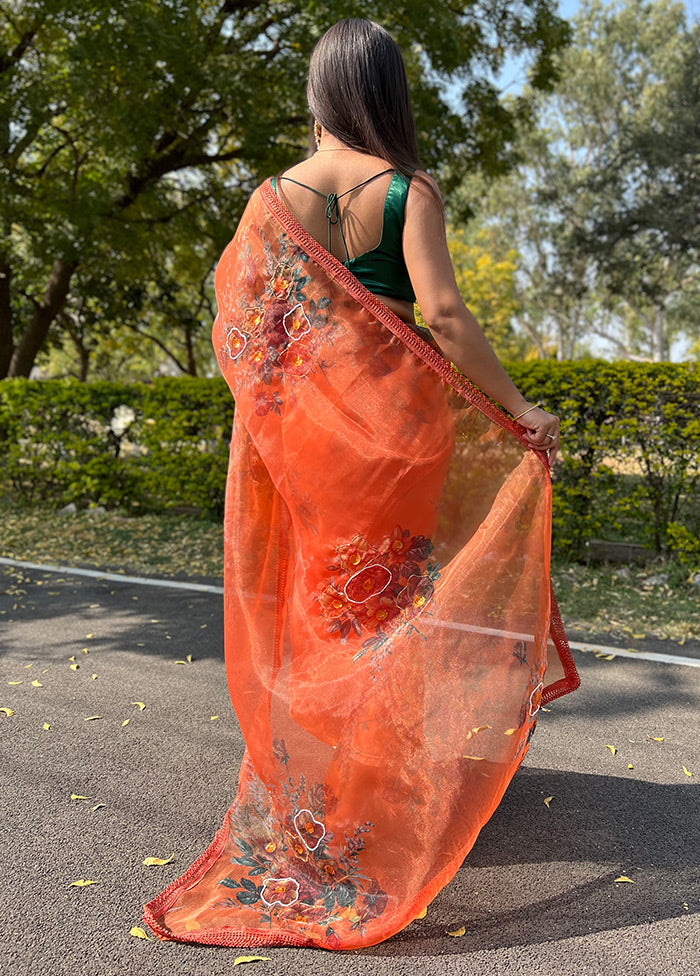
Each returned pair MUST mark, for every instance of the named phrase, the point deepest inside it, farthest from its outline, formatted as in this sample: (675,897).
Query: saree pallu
(390,631)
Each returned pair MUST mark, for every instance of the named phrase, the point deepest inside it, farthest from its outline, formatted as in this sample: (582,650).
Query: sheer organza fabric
(390,633)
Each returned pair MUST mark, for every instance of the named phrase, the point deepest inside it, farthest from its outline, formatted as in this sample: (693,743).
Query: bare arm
(456,330)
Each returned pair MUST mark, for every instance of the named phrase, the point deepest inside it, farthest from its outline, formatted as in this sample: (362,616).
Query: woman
(390,633)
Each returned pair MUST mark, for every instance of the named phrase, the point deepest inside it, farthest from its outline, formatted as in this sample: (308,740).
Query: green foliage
(136,446)
(132,134)
(630,447)
(630,466)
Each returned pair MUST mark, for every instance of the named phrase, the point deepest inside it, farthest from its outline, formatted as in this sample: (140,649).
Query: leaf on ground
(213,718)
(623,877)
(88,636)
(47,727)
(8,711)
(78,796)
(612,749)
(125,722)
(239,960)
(655,738)
(152,861)
(189,659)
(457,932)
(97,807)
(181,662)
(72,658)
(85,650)
(81,883)
(604,657)
(75,667)
(138,933)
(543,709)
(687,771)
(548,800)
(140,704)
(29,665)
(423,912)
(91,718)
(36,684)
(94,677)
(630,766)
(15,682)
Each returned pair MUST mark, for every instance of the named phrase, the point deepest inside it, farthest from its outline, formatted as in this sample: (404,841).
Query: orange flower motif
(355,553)
(280,891)
(271,847)
(254,318)
(296,323)
(380,613)
(282,283)
(296,361)
(236,341)
(369,582)
(333,602)
(309,829)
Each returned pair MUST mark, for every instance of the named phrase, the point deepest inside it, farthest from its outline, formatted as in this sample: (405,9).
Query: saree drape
(390,631)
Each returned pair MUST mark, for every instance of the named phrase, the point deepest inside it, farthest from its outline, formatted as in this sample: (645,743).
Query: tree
(129,130)
(604,217)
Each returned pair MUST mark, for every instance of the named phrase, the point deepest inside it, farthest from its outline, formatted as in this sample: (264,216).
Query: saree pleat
(390,632)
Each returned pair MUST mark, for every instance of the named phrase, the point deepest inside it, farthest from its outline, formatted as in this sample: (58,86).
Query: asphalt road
(537,895)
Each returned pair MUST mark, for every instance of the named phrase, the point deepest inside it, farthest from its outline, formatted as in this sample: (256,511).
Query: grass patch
(613,600)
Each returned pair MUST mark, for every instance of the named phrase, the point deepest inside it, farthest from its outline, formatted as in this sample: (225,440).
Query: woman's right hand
(541,430)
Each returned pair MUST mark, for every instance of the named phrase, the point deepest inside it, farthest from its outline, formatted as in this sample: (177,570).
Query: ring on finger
(551,436)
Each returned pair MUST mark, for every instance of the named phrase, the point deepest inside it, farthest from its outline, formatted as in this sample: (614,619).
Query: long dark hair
(358,91)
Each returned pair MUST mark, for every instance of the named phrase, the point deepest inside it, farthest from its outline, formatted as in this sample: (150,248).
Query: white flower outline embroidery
(539,688)
(235,331)
(315,821)
(297,333)
(365,569)
(276,901)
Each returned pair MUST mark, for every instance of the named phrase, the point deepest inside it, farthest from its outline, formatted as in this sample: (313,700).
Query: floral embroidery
(372,586)
(291,869)
(309,829)
(279,891)
(275,342)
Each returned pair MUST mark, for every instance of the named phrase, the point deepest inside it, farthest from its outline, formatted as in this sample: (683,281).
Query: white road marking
(116,577)
(688,662)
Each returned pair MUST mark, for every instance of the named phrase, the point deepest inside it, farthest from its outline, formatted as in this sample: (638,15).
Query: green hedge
(630,466)
(62,442)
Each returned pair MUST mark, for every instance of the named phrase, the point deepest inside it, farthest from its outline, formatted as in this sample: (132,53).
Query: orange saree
(390,628)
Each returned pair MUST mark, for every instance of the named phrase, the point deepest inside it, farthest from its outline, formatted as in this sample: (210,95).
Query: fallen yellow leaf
(213,718)
(604,657)
(630,766)
(36,684)
(94,676)
(88,636)
(8,711)
(423,912)
(543,709)
(85,650)
(138,932)
(125,722)
(75,667)
(140,704)
(77,796)
(15,682)
(655,738)
(624,877)
(239,960)
(457,932)
(91,718)
(81,883)
(612,749)
(97,807)
(29,665)
(152,861)
(548,800)
(189,659)
(72,658)
(47,726)
(181,662)
(687,771)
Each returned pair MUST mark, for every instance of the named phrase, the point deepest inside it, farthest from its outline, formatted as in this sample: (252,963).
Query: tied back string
(333,206)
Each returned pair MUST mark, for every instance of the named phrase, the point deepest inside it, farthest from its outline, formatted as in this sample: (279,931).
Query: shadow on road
(542,876)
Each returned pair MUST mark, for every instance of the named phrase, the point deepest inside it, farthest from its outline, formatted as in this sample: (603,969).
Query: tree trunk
(659,345)
(52,302)
(6,343)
